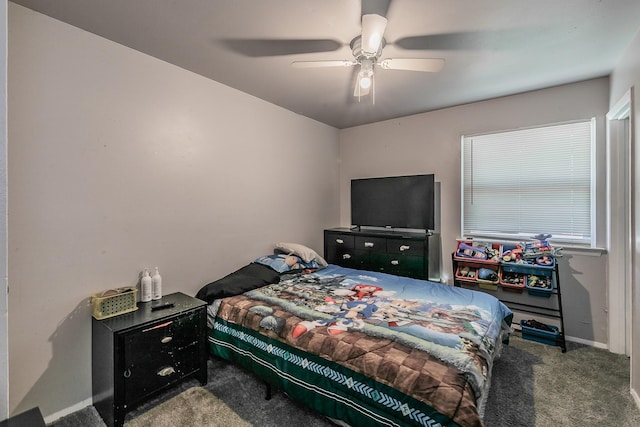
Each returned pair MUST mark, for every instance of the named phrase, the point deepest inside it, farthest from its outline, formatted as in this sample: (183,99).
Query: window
(523,182)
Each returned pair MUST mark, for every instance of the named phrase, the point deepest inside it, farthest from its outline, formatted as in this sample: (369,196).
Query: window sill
(567,248)
(577,250)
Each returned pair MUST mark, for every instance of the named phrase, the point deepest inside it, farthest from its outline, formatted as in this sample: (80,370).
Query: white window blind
(519,183)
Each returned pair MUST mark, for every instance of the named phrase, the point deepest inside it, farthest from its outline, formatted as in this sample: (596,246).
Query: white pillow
(307,254)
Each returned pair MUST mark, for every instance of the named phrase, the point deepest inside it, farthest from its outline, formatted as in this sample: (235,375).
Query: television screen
(393,202)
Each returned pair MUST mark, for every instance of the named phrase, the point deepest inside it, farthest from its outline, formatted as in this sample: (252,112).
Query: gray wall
(430,143)
(4,362)
(119,161)
(625,76)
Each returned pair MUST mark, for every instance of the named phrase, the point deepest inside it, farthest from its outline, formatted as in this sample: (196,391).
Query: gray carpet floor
(533,385)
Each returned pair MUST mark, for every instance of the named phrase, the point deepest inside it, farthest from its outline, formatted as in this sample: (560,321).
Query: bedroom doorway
(619,224)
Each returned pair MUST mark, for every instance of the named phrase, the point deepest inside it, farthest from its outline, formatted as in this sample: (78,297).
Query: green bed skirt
(322,385)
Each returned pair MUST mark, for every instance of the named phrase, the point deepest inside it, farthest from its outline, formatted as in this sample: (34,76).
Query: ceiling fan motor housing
(359,54)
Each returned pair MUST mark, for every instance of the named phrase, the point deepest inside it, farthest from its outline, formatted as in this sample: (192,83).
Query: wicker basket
(114,302)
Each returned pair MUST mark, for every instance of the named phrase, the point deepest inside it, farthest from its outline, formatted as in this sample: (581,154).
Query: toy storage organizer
(525,288)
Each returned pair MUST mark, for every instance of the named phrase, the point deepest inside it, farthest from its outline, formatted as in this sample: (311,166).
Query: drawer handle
(165,372)
(346,256)
(127,373)
(166,340)
(404,248)
(368,244)
(395,262)
(161,325)
(339,241)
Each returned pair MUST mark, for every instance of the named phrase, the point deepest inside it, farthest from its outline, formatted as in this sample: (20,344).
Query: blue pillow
(283,263)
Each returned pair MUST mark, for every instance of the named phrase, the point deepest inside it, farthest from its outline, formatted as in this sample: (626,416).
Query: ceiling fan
(367,50)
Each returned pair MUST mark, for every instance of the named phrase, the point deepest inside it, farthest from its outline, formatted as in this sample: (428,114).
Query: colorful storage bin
(512,282)
(477,252)
(468,274)
(488,278)
(511,258)
(549,337)
(540,285)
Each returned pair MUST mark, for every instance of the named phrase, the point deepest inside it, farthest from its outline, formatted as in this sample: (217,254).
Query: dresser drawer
(339,249)
(371,244)
(405,247)
(339,240)
(406,265)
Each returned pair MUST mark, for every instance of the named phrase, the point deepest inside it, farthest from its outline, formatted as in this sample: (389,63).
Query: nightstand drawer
(158,371)
(165,335)
(159,354)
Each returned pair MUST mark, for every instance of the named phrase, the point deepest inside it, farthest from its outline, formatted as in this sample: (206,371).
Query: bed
(363,348)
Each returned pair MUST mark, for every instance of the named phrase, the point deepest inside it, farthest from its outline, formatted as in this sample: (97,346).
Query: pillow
(283,263)
(307,254)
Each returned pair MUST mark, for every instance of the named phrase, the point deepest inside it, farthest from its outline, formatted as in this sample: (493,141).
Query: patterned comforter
(368,347)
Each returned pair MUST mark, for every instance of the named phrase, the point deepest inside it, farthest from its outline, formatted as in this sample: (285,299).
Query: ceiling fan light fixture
(373,27)
(365,82)
(365,75)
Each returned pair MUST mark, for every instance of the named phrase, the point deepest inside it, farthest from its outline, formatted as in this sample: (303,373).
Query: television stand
(402,253)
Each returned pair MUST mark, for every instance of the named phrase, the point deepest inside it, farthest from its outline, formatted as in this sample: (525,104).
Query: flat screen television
(394,202)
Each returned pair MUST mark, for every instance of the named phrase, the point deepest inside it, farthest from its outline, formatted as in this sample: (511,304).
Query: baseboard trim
(68,411)
(587,342)
(636,398)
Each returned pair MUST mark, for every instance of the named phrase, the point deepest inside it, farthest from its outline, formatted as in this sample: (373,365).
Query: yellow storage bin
(114,302)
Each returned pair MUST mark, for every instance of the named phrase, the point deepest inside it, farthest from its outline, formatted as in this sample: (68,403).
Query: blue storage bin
(524,266)
(540,335)
(539,291)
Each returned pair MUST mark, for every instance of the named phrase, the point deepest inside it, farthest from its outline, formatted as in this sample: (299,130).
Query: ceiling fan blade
(373,27)
(256,48)
(378,7)
(429,65)
(322,64)
(467,40)
(449,41)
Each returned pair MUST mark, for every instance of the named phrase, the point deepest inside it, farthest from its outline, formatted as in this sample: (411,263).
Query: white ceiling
(492,48)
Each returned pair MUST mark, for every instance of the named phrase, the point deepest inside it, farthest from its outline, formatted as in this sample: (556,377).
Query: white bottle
(156,285)
(145,286)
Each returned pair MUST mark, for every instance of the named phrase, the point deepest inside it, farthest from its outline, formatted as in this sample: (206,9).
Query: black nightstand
(139,354)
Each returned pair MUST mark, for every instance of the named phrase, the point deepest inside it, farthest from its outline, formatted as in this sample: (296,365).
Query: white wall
(119,161)
(625,76)
(430,143)
(4,361)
